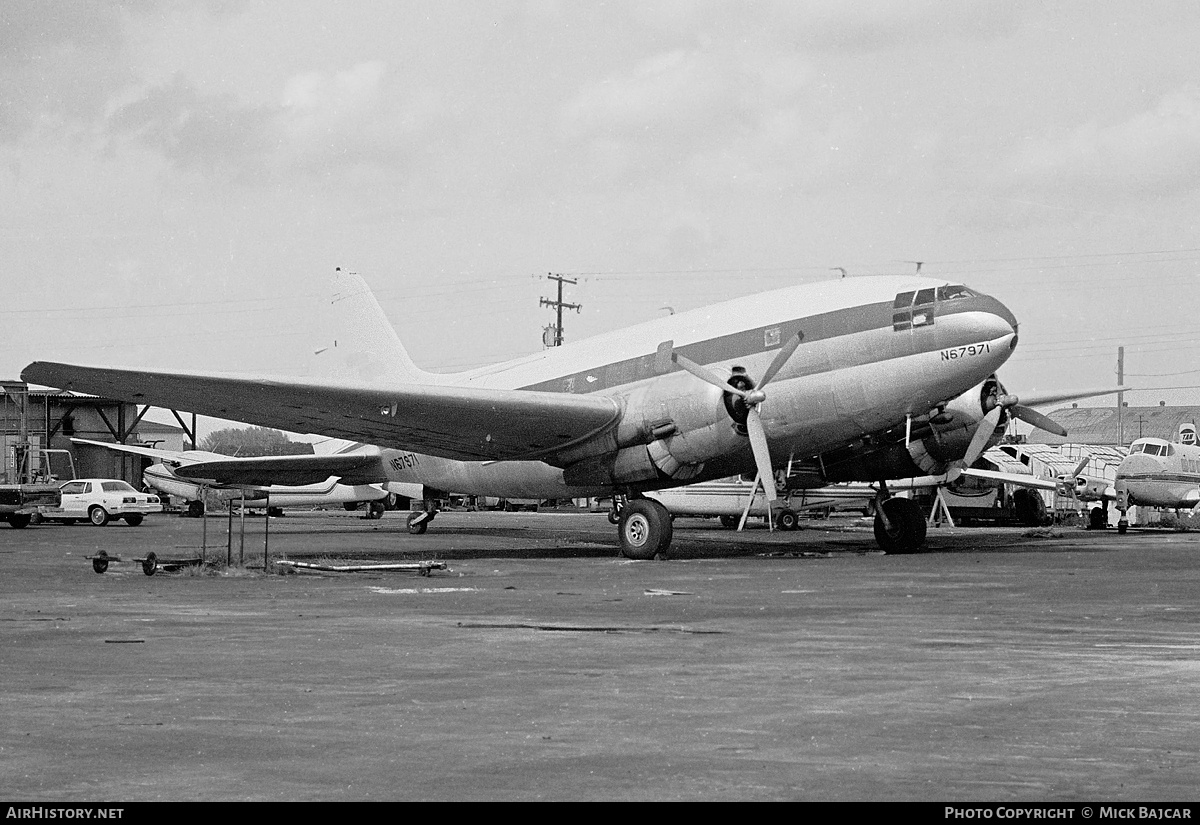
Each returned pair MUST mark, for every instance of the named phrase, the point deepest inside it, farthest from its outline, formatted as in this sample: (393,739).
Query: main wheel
(195,509)
(645,529)
(375,510)
(134,519)
(418,527)
(906,530)
(1097,519)
(98,516)
(19,520)
(1029,508)
(729,522)
(788,520)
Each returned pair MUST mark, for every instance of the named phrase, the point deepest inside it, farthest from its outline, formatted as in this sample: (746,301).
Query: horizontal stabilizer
(288,470)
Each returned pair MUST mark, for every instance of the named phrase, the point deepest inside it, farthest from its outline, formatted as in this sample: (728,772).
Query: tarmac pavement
(1003,665)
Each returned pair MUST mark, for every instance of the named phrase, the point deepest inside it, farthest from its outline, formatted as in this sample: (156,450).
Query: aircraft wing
(149,452)
(462,423)
(1020,479)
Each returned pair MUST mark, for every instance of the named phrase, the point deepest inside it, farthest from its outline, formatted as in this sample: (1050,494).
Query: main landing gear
(899,525)
(644,529)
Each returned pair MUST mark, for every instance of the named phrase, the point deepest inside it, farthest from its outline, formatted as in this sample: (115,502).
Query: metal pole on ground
(267,531)
(229,537)
(203,525)
(242,531)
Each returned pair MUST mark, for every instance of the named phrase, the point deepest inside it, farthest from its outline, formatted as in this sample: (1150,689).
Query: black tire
(614,516)
(730,522)
(1097,519)
(1029,508)
(68,521)
(134,519)
(645,530)
(907,533)
(350,506)
(195,509)
(788,520)
(375,510)
(98,516)
(420,527)
(100,562)
(150,564)
(19,520)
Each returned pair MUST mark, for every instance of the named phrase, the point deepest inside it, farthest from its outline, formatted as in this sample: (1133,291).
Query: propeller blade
(1032,416)
(982,433)
(705,374)
(1079,467)
(1038,400)
(781,357)
(762,453)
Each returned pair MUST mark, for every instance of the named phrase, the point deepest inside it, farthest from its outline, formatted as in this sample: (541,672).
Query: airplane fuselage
(874,350)
(1159,473)
(331,491)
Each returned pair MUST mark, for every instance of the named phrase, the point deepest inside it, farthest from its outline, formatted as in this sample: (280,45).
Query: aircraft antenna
(558,305)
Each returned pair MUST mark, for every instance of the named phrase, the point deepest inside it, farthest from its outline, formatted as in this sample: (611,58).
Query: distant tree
(252,441)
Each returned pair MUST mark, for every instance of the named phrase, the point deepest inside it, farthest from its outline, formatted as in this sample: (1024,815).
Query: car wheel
(98,516)
(134,520)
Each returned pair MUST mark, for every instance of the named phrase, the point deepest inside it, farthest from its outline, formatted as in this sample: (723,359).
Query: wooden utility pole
(558,306)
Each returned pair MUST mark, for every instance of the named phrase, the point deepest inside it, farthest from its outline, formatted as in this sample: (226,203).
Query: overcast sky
(180,178)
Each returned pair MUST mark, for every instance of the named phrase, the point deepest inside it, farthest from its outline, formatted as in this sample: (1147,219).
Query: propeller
(1026,413)
(753,399)
(1066,483)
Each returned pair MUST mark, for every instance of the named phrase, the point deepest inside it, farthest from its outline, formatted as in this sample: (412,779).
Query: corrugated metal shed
(1099,425)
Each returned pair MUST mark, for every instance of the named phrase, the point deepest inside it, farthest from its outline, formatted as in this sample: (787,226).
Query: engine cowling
(938,441)
(670,427)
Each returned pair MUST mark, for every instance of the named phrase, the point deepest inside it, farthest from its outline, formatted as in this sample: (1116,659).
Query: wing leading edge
(462,423)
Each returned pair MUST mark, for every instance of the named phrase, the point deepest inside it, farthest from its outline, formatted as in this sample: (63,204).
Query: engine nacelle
(669,428)
(1090,488)
(941,440)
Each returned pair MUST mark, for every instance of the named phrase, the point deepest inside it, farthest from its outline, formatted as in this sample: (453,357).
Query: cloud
(195,130)
(1154,152)
(57,64)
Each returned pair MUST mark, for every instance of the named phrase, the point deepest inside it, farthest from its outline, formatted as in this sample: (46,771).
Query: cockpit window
(949,293)
(925,296)
(903,300)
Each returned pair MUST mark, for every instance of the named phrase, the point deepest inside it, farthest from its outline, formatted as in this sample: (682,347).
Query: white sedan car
(100,499)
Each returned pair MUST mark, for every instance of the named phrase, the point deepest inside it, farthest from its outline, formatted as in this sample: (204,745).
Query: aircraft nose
(1138,464)
(1003,314)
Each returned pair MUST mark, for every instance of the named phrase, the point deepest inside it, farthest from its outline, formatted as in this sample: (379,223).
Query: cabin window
(913,309)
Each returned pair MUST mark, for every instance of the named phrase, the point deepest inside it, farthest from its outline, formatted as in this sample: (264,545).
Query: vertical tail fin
(363,345)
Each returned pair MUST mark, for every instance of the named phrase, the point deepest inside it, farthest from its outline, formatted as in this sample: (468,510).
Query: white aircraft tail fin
(362,343)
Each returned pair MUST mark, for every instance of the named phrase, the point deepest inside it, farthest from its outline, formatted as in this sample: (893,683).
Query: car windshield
(117,487)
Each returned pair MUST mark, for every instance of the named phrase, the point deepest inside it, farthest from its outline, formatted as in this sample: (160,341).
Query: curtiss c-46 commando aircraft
(861,379)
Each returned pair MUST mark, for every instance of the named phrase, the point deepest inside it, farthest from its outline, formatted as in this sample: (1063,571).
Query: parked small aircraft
(1159,473)
(170,476)
(855,379)
(1075,484)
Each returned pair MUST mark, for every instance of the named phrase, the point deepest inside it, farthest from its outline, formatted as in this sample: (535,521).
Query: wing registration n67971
(462,423)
